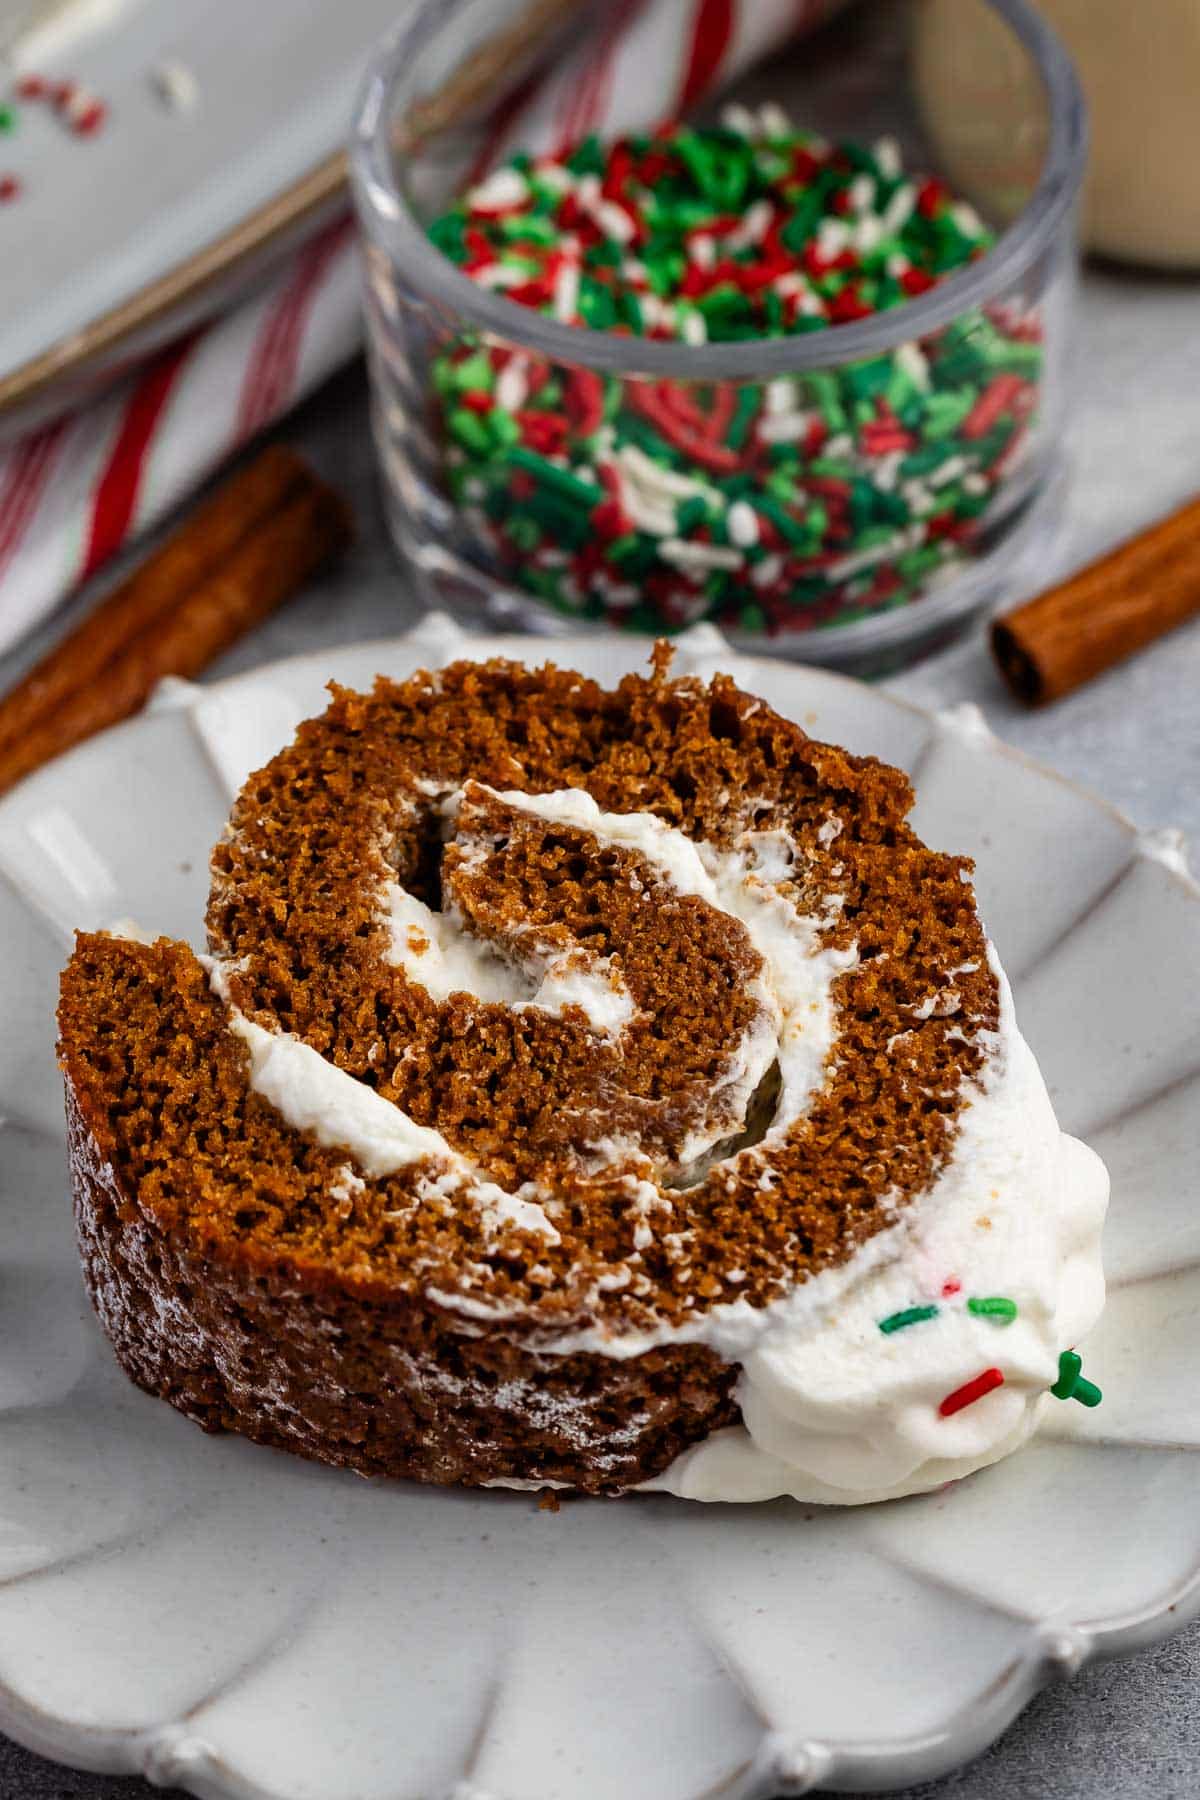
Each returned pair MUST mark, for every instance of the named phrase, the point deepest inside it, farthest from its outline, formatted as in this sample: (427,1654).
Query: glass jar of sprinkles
(760,365)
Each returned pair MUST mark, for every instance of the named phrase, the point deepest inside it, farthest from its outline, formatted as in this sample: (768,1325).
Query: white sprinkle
(898,209)
(702,251)
(767,572)
(780,396)
(897,265)
(861,193)
(498,275)
(692,327)
(833,236)
(887,155)
(656,521)
(656,311)
(512,386)
(554,176)
(691,557)
(865,559)
(785,428)
(474,489)
(841,445)
(975,483)
(868,234)
(503,188)
(742,524)
(885,472)
(753,228)
(176,86)
(773,121)
(735,117)
(656,478)
(791,284)
(588,190)
(611,217)
(632,269)
(950,470)
(915,364)
(566,293)
(920,501)
(967,219)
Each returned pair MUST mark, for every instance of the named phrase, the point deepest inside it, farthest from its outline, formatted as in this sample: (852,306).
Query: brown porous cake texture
(262,1282)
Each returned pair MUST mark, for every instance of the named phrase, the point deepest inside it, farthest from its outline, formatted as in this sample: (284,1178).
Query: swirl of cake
(601,1088)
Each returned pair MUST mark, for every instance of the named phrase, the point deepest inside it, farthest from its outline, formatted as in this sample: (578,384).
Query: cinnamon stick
(1103,613)
(186,559)
(230,565)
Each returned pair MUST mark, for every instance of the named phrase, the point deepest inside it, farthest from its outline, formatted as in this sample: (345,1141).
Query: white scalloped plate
(249,1626)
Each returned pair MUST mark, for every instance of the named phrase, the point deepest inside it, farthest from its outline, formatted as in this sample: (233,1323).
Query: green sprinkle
(470,430)
(994,1306)
(1071,1384)
(474,372)
(912,1315)
(560,481)
(791,530)
(745,412)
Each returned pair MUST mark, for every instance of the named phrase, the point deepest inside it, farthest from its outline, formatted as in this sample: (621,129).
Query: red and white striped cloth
(73,492)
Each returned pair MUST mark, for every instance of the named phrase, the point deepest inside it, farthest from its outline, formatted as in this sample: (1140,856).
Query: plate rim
(167,1755)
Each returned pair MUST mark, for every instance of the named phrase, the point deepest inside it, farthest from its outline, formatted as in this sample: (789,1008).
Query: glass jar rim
(387,219)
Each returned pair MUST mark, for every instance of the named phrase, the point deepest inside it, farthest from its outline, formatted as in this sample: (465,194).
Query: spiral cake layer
(574,1076)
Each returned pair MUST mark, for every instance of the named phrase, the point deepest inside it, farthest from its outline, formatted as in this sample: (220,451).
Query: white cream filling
(313,1095)
(438,952)
(795,989)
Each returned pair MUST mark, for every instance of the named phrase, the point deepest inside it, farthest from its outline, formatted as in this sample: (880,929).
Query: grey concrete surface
(1128,1730)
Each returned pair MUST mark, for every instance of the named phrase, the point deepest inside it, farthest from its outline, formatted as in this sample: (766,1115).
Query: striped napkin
(73,492)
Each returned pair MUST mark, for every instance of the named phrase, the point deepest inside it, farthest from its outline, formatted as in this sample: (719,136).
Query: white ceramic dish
(171,206)
(244,1625)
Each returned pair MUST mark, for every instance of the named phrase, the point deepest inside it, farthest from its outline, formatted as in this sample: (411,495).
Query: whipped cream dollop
(835,1408)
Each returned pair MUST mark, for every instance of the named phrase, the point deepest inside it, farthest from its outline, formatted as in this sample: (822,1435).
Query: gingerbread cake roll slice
(261,1280)
(622,1049)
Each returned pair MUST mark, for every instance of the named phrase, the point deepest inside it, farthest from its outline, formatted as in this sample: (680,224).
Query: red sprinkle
(542,431)
(703,450)
(998,397)
(815,436)
(32,87)
(930,196)
(849,305)
(970,1392)
(477,400)
(951,1287)
(609,521)
(10,188)
(89,119)
(916,281)
(585,401)
(881,439)
(530,293)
